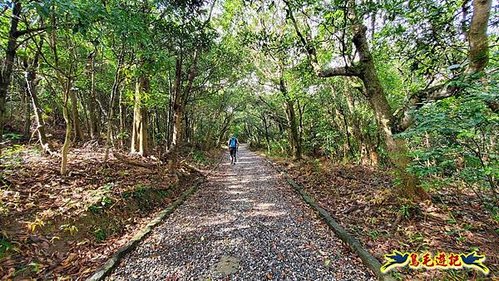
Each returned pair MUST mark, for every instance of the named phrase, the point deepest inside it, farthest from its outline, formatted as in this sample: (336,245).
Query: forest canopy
(408,87)
(411,84)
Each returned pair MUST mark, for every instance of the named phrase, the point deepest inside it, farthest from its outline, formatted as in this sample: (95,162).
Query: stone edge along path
(112,262)
(369,260)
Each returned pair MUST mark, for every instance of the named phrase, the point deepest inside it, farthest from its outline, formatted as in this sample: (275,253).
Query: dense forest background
(369,82)
(406,86)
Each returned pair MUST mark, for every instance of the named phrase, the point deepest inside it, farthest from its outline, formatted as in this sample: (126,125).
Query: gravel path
(244,223)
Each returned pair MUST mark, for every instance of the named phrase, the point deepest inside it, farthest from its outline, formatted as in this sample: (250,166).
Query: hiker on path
(233,144)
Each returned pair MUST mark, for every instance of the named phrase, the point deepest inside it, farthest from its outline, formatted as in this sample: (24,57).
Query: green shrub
(455,140)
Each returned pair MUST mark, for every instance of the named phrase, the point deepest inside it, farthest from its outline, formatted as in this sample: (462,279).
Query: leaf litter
(55,227)
(363,200)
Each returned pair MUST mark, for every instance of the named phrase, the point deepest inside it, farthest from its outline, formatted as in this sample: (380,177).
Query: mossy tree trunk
(478,53)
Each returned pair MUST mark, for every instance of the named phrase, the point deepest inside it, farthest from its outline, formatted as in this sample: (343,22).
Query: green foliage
(13,150)
(493,209)
(4,211)
(35,267)
(404,211)
(143,195)
(456,138)
(409,210)
(101,199)
(5,246)
(100,235)
(244,52)
(12,136)
(104,202)
(123,135)
(416,238)
(71,229)
(139,192)
(12,158)
(199,157)
(423,35)
(374,234)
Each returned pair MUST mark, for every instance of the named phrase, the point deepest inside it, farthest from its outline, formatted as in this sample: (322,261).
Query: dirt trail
(244,223)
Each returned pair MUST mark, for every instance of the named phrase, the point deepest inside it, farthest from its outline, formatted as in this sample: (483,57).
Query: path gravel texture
(245,223)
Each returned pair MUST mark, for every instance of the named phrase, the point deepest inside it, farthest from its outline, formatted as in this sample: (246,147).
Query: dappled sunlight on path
(246,224)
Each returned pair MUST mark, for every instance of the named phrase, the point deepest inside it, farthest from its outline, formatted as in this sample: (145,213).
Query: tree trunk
(8,63)
(301,109)
(355,131)
(84,106)
(93,123)
(187,126)
(294,135)
(65,79)
(26,110)
(31,86)
(186,95)
(347,144)
(40,123)
(139,132)
(224,129)
(266,127)
(177,105)
(343,122)
(181,98)
(478,53)
(75,116)
(397,149)
(67,138)
(169,127)
(112,101)
(122,117)
(366,71)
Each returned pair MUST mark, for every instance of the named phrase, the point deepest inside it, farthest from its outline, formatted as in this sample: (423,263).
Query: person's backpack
(232,142)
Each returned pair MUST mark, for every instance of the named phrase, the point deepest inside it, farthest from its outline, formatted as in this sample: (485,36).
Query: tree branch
(339,71)
(312,53)
(403,117)
(20,33)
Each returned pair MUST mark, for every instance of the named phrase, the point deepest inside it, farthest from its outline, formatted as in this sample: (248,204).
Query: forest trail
(244,223)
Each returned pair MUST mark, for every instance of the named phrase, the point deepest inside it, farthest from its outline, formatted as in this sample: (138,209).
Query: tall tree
(140,133)
(8,62)
(478,53)
(32,82)
(365,70)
